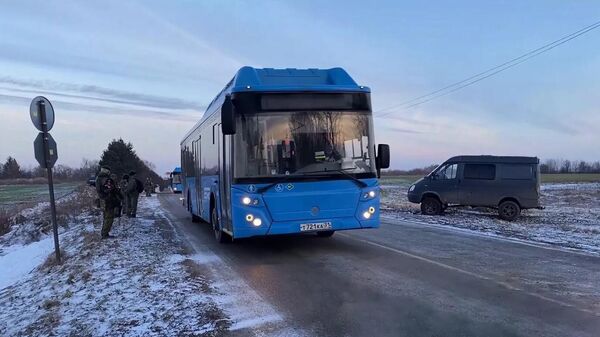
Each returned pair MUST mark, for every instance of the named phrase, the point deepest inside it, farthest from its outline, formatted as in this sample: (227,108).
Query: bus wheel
(509,210)
(325,234)
(431,206)
(221,236)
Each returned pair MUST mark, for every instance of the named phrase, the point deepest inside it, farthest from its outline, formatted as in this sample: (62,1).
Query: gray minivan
(509,184)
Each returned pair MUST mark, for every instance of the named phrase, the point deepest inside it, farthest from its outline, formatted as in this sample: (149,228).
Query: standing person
(148,187)
(123,188)
(134,188)
(110,199)
(119,206)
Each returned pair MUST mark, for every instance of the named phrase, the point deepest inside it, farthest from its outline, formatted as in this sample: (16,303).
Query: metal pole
(42,111)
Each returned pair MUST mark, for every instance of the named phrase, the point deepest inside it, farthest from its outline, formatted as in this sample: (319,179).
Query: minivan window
(447,172)
(480,171)
(517,172)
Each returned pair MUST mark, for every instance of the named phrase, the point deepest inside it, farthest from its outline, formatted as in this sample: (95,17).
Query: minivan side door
(478,185)
(445,183)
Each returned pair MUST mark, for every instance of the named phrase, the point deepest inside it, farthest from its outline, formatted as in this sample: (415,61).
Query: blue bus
(282,151)
(175,177)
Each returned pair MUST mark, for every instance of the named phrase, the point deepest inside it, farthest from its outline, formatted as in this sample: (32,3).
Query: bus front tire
(325,234)
(221,236)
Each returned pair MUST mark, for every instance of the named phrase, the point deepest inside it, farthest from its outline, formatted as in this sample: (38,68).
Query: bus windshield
(176,178)
(271,144)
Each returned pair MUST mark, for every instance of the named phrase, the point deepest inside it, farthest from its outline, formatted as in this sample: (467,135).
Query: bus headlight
(257,222)
(249,217)
(371,209)
(248,201)
(412,188)
(366,215)
(369,195)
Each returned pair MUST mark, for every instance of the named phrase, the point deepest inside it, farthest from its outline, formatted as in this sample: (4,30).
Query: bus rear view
(294,153)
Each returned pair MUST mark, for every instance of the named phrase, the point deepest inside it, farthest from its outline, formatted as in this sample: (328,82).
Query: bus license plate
(315,226)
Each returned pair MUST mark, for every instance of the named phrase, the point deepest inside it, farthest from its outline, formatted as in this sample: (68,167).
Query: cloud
(403,130)
(107,110)
(94,92)
(555,125)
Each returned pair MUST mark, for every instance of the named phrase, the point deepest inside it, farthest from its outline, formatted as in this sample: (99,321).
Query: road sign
(37,118)
(44,146)
(48,160)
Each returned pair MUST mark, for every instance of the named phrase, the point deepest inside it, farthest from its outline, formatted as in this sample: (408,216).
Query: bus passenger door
(224,178)
(198,174)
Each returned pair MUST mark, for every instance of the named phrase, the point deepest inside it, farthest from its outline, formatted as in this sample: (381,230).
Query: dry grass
(67,209)
(571,178)
(4,222)
(50,260)
(50,303)
(23,181)
(83,202)
(35,181)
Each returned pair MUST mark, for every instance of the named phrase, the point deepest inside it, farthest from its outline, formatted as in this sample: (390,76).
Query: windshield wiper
(357,181)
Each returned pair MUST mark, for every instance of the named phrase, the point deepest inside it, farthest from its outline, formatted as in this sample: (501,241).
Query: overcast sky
(145,71)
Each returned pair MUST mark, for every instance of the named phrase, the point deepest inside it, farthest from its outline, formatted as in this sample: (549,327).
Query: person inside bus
(331,153)
(286,153)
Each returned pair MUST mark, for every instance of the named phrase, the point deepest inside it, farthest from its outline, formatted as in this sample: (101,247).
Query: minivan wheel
(509,210)
(431,206)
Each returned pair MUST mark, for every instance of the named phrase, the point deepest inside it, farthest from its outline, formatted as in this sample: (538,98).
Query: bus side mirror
(228,116)
(382,161)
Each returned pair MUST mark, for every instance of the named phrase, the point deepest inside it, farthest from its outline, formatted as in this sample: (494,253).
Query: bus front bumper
(304,226)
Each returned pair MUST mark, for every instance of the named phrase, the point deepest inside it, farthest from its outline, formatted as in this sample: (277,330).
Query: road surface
(407,279)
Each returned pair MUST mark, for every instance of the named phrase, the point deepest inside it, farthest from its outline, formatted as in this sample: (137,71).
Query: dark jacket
(113,192)
(132,186)
(100,182)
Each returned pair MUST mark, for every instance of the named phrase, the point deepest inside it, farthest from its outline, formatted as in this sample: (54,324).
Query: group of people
(118,198)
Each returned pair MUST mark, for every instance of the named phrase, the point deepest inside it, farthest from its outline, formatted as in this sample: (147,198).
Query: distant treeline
(11,169)
(412,172)
(548,166)
(567,166)
(119,156)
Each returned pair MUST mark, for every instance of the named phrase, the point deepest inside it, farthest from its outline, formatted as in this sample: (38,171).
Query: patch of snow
(142,283)
(134,285)
(570,220)
(18,260)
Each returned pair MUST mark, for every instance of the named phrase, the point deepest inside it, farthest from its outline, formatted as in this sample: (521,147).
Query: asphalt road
(407,279)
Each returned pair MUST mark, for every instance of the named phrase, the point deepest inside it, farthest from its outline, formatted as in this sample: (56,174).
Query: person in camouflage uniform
(110,197)
(123,188)
(133,190)
(148,187)
(119,207)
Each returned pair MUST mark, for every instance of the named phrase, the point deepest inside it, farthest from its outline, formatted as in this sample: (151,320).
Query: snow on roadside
(571,218)
(19,260)
(145,282)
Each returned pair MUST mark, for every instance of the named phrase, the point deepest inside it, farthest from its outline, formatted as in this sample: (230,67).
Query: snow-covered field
(144,282)
(571,218)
